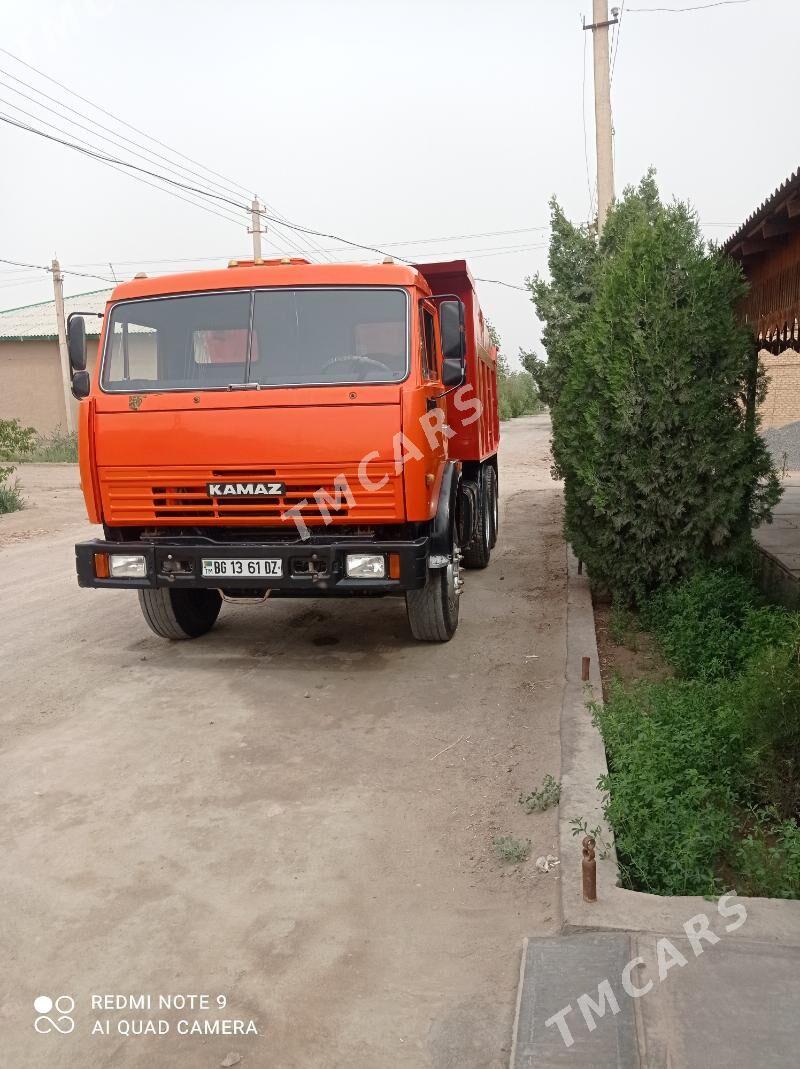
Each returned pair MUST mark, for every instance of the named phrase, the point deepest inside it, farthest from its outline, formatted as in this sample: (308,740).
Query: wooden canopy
(768,247)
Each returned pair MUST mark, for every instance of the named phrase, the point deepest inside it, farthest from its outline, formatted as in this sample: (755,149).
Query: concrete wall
(782,404)
(30,383)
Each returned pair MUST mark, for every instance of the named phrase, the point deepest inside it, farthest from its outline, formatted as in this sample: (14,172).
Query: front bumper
(177,563)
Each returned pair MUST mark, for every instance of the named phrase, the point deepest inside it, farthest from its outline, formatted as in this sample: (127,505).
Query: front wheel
(433,610)
(180,614)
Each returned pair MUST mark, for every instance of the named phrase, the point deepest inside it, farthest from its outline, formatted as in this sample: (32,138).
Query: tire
(493,497)
(479,550)
(180,614)
(433,610)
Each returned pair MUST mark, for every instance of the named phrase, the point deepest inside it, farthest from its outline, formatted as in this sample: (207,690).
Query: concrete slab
(734,1006)
(554,974)
(656,1001)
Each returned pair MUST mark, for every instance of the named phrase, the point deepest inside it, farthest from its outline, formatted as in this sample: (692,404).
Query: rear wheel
(477,553)
(433,610)
(180,614)
(493,498)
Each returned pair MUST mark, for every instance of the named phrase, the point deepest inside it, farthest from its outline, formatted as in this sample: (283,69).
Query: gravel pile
(784,444)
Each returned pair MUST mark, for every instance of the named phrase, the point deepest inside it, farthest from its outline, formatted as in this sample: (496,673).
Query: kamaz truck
(281,429)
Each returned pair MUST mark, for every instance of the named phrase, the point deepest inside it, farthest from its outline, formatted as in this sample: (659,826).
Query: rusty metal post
(585,670)
(589,870)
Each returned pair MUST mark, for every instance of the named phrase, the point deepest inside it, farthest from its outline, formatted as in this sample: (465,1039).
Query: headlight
(127,566)
(365,566)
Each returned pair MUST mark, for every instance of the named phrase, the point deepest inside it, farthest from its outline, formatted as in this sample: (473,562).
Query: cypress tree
(650,375)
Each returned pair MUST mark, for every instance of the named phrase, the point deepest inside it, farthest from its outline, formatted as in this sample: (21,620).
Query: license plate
(249,568)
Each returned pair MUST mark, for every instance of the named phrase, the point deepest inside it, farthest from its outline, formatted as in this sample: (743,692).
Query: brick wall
(782,404)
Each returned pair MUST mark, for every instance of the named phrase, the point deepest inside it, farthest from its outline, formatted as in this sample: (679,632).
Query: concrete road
(293,814)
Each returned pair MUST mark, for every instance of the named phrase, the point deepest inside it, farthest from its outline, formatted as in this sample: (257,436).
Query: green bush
(770,859)
(10,498)
(517,395)
(669,795)
(15,441)
(711,624)
(704,771)
(646,377)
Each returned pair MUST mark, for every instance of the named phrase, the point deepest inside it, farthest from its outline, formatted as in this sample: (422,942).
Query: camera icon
(62,1006)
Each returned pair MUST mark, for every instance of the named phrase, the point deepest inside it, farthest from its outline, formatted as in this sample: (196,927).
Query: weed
(511,850)
(711,624)
(15,440)
(56,448)
(769,858)
(546,797)
(622,626)
(704,771)
(10,498)
(580,826)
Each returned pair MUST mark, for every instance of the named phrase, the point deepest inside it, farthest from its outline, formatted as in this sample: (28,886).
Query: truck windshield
(270,337)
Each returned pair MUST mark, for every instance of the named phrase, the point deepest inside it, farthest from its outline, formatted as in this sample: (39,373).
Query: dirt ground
(626,652)
(294,812)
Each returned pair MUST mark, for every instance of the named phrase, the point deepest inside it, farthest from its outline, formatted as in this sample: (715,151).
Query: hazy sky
(382,122)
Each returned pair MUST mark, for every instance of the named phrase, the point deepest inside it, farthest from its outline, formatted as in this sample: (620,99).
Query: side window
(132,355)
(428,345)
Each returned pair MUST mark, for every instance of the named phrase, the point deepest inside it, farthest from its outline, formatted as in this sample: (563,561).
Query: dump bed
(475,439)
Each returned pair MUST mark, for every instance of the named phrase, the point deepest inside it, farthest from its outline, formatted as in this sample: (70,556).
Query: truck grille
(137,496)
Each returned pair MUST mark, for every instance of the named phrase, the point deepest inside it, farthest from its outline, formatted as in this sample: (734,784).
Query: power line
(105,158)
(497,282)
(43,267)
(33,280)
(464,237)
(116,118)
(341,248)
(474,254)
(384,244)
(110,140)
(115,140)
(585,143)
(109,161)
(307,244)
(680,10)
(86,147)
(617,32)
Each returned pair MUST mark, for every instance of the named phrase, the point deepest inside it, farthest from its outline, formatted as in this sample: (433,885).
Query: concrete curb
(583,761)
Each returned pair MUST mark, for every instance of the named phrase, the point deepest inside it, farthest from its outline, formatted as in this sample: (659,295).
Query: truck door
(430,359)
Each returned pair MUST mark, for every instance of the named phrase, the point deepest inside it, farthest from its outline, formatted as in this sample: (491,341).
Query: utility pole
(602,108)
(255,227)
(66,375)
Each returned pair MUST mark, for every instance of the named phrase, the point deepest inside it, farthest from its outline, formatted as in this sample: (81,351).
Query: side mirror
(76,342)
(454,342)
(81,384)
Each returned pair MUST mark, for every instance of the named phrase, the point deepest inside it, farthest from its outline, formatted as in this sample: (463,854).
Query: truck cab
(287,429)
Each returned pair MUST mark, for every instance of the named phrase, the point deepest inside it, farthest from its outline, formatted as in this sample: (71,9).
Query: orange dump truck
(288,429)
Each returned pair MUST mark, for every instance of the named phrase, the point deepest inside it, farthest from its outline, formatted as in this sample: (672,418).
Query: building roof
(39,320)
(775,217)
